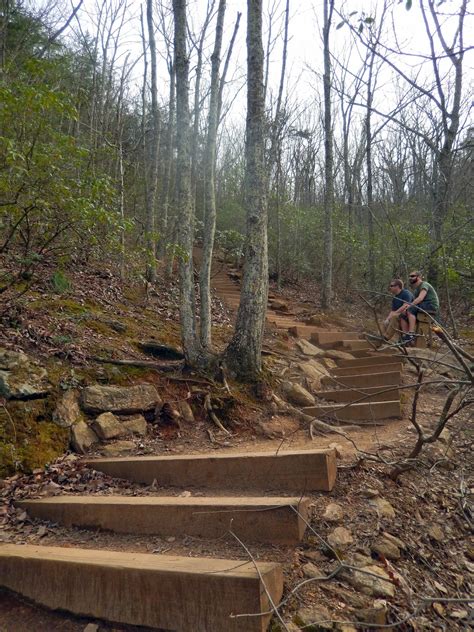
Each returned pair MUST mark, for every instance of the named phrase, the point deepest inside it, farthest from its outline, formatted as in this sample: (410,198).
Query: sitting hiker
(426,302)
(397,320)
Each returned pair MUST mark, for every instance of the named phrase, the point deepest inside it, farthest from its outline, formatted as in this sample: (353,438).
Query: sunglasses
(393,285)
(413,276)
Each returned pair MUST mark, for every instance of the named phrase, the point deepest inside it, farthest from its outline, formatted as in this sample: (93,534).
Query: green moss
(28,439)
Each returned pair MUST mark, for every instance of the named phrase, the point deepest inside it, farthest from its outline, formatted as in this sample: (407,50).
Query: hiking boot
(408,339)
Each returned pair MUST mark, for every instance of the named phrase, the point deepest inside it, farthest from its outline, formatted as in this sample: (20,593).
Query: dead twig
(212,414)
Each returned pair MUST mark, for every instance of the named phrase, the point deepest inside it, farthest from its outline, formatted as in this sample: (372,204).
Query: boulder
(313,375)
(118,448)
(21,377)
(375,615)
(107,426)
(316,321)
(185,411)
(334,354)
(82,437)
(120,399)
(319,366)
(307,348)
(67,411)
(296,394)
(370,580)
(329,363)
(135,425)
(279,306)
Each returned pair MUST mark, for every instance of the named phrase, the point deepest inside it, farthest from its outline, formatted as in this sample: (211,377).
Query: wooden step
(302,331)
(372,394)
(357,412)
(356,345)
(328,338)
(290,471)
(275,520)
(365,370)
(392,378)
(158,591)
(372,353)
(368,361)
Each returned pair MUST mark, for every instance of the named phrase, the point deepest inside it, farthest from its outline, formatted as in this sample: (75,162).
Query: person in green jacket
(425,301)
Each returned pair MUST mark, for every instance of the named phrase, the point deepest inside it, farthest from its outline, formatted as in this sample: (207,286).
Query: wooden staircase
(165,591)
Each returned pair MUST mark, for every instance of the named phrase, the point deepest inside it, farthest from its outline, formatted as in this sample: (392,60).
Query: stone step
(270,519)
(357,412)
(159,591)
(368,361)
(392,378)
(365,370)
(373,394)
(328,338)
(289,471)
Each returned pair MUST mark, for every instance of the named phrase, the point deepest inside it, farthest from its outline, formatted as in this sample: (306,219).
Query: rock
(107,426)
(21,377)
(158,350)
(312,374)
(334,354)
(436,533)
(375,615)
(383,507)
(319,366)
(360,560)
(296,394)
(345,627)
(369,492)
(400,543)
(316,321)
(279,306)
(333,513)
(340,538)
(313,619)
(118,448)
(135,425)
(386,548)
(311,571)
(67,411)
(307,348)
(91,627)
(377,584)
(329,363)
(279,427)
(185,411)
(120,399)
(116,325)
(82,437)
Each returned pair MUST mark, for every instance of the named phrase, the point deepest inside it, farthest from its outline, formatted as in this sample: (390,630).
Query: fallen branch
(146,364)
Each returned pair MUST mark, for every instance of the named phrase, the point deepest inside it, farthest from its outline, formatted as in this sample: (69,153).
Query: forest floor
(427,509)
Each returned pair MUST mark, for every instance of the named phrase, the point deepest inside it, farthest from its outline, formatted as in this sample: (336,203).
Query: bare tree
(244,352)
(326,289)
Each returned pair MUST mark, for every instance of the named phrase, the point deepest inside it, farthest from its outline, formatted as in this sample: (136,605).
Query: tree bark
(210,184)
(244,352)
(183,187)
(326,290)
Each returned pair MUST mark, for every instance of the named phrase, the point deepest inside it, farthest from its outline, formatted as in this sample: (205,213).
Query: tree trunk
(244,352)
(183,187)
(210,184)
(326,290)
(155,134)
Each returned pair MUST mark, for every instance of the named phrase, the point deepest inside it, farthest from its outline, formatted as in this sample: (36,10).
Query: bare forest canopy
(121,134)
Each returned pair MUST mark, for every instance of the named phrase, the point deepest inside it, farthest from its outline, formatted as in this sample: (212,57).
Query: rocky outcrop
(120,399)
(21,377)
(67,412)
